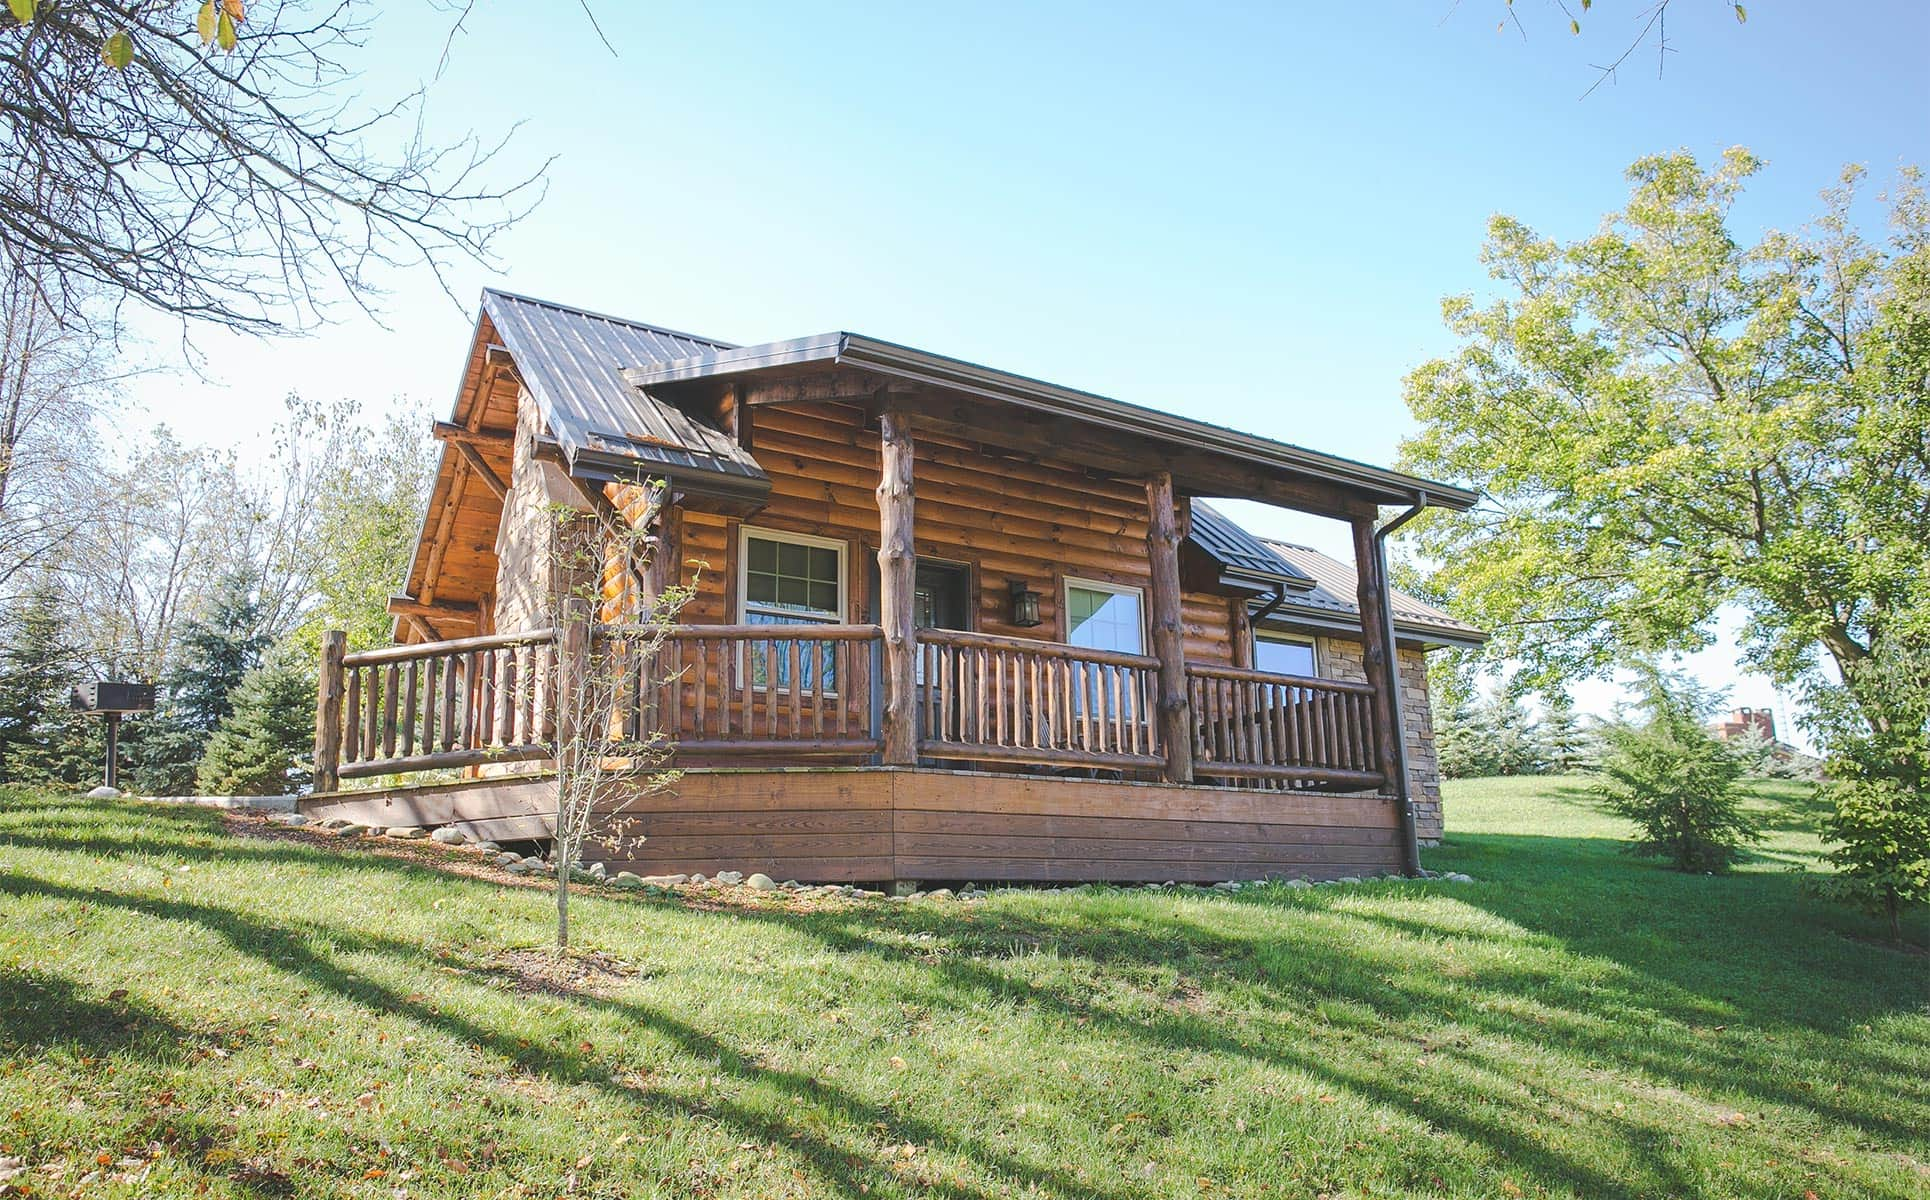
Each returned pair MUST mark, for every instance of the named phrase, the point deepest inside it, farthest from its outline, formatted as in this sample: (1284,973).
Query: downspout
(1403,787)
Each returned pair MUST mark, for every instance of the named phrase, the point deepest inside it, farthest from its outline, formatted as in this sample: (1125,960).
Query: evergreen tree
(219,648)
(36,673)
(1563,739)
(1671,777)
(259,748)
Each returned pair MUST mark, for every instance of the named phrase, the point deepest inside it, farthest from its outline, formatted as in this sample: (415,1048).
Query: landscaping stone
(1298,883)
(628,879)
(790,885)
(665,881)
(449,835)
(484,847)
(103,792)
(1348,879)
(699,879)
(349,829)
(760,882)
(288,819)
(1457,877)
(337,823)
(940,894)
(730,878)
(407,833)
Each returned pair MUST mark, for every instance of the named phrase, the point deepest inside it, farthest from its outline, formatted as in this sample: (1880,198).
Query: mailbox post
(111,699)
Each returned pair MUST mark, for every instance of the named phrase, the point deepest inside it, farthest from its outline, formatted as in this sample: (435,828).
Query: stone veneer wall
(525,542)
(1341,659)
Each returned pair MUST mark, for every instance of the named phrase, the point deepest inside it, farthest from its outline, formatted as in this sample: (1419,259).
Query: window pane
(792,559)
(763,554)
(793,592)
(824,564)
(1102,620)
(760,589)
(824,597)
(1283,658)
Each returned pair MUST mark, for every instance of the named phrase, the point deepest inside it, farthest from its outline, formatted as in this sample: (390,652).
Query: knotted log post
(897,571)
(328,712)
(1169,635)
(1383,672)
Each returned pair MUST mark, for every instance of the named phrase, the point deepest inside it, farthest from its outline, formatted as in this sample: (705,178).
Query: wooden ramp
(858,824)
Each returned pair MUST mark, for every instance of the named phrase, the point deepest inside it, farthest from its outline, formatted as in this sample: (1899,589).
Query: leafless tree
(237,179)
(608,752)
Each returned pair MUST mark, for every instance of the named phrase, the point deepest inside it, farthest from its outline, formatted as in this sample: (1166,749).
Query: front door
(941,598)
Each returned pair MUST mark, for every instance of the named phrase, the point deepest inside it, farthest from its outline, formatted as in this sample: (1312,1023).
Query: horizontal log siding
(1005,518)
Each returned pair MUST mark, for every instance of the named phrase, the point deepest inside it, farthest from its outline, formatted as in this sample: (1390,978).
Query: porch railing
(989,698)
(761,689)
(812,690)
(440,704)
(1256,725)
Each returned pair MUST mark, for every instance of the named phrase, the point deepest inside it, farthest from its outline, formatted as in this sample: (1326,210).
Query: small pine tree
(1672,778)
(259,748)
(36,672)
(1563,740)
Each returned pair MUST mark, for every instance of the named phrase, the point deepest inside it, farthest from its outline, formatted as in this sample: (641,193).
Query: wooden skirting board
(866,824)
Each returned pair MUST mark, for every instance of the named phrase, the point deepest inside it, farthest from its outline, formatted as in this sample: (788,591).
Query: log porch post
(1169,639)
(1383,672)
(328,712)
(897,571)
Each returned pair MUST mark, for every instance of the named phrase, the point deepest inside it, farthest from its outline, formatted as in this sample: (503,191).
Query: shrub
(1671,777)
(259,746)
(1879,772)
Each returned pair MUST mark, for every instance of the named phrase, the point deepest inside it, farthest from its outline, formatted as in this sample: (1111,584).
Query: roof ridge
(506,294)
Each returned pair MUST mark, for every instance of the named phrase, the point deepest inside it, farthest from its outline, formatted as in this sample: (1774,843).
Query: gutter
(1403,786)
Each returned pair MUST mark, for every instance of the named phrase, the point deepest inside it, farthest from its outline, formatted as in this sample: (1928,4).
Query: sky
(1247,214)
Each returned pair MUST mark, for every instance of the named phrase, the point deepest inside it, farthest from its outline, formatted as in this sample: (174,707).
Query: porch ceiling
(1030,415)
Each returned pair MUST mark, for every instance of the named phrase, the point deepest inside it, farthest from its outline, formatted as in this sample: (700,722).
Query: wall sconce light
(1025,605)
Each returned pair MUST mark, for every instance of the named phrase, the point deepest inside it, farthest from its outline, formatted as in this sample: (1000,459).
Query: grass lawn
(187,1007)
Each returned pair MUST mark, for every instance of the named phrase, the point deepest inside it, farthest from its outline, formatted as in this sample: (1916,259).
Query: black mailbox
(112,696)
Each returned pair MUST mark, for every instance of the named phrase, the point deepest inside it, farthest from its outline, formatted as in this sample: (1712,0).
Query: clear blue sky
(1246,213)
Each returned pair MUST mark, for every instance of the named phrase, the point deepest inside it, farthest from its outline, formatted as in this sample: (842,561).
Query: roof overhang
(1288,616)
(920,368)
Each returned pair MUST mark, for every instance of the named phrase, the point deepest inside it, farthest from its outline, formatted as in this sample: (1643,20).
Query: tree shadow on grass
(289,949)
(40,1013)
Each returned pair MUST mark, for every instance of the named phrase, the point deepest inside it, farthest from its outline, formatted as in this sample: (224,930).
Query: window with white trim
(1277,654)
(790,579)
(1105,616)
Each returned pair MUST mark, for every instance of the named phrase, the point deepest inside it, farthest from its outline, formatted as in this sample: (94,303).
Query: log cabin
(948,622)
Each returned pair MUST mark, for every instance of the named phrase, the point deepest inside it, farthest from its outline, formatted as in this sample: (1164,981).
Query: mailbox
(113,696)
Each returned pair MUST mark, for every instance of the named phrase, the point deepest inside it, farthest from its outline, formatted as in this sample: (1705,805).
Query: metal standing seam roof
(1335,582)
(572,362)
(1239,551)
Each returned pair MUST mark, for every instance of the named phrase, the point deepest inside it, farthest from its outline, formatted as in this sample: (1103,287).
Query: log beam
(897,571)
(459,611)
(1383,671)
(448,431)
(1169,634)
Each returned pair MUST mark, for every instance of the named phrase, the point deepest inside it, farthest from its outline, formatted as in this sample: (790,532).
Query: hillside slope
(190,1004)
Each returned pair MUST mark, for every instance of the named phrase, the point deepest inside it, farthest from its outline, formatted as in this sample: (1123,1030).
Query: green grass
(209,1013)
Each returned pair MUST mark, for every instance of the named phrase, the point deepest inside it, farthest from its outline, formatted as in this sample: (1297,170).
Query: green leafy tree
(1664,421)
(1669,775)
(259,748)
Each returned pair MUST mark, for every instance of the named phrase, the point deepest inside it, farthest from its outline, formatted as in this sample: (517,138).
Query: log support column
(897,571)
(328,712)
(1383,672)
(1169,635)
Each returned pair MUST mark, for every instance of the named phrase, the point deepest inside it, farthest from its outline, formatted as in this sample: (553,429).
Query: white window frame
(744,535)
(1311,642)
(1068,582)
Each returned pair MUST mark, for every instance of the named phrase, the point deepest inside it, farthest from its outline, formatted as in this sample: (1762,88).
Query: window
(1283,655)
(790,579)
(1104,616)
